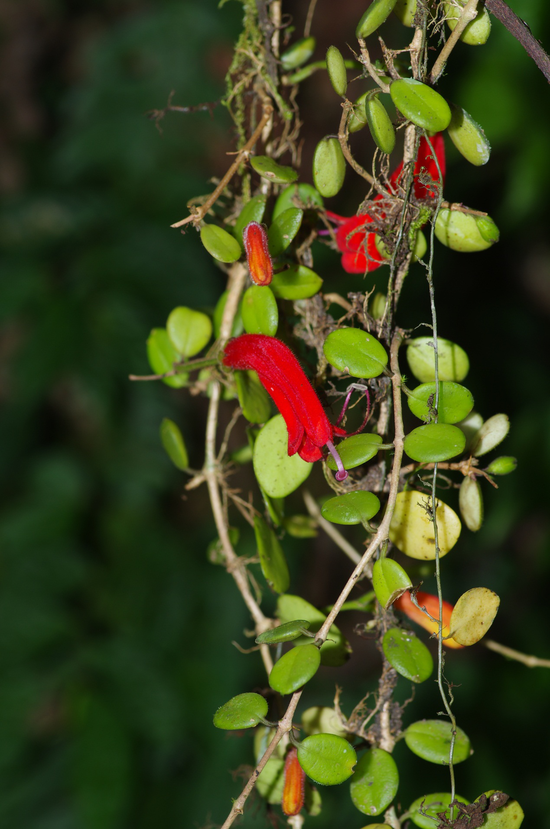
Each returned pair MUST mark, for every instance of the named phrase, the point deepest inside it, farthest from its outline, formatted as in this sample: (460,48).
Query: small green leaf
(237,327)
(470,502)
(389,580)
(296,282)
(275,508)
(253,398)
(468,137)
(326,758)
(172,440)
(283,230)
(320,719)
(488,229)
(335,651)
(298,53)
(270,783)
(407,654)
(300,526)
(278,473)
(283,633)
(421,104)
(253,211)
(434,442)
(405,10)
(493,432)
(162,355)
(329,167)
(259,311)
(375,15)
(375,782)
(502,466)
(294,669)
(272,558)
(356,450)
(358,117)
(477,32)
(425,810)
(431,740)
(355,352)
(455,402)
(337,70)
(242,711)
(508,816)
(297,195)
(464,232)
(380,125)
(473,615)
(351,508)
(220,244)
(267,168)
(189,331)
(453,363)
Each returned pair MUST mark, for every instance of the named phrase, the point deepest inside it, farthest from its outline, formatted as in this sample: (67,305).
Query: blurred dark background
(115,629)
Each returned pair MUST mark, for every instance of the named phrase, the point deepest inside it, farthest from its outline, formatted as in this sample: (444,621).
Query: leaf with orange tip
(431,603)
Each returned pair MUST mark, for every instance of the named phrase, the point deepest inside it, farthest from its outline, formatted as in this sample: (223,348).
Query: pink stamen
(352,388)
(341,475)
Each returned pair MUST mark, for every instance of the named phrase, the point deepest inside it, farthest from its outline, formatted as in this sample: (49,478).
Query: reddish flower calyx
(282,376)
(431,603)
(354,237)
(257,254)
(293,786)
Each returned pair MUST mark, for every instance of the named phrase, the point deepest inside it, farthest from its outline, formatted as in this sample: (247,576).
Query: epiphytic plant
(352,348)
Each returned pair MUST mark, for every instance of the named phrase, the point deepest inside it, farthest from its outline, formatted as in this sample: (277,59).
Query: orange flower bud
(405,604)
(257,254)
(293,790)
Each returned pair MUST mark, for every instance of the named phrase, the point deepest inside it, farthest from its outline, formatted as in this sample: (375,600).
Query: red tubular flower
(355,241)
(405,604)
(293,787)
(257,254)
(282,376)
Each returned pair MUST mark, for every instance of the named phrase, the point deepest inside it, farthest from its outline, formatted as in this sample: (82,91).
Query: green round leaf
(412,529)
(301,526)
(237,327)
(375,15)
(473,615)
(220,244)
(508,816)
(259,311)
(336,69)
(335,651)
(453,363)
(460,231)
(162,355)
(189,331)
(283,230)
(434,442)
(294,669)
(493,432)
(326,758)
(502,466)
(320,719)
(356,450)
(358,117)
(355,352)
(424,811)
(329,167)
(380,124)
(470,502)
(267,168)
(351,508)
(253,211)
(272,558)
(297,195)
(298,53)
(468,137)
(296,282)
(172,440)
(477,32)
(253,398)
(389,580)
(405,10)
(421,104)
(431,740)
(407,654)
(375,782)
(455,402)
(278,473)
(283,633)
(242,711)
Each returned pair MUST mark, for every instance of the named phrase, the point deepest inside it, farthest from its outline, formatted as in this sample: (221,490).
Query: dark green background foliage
(115,630)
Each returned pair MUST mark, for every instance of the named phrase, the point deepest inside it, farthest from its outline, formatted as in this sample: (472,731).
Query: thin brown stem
(366,61)
(468,14)
(510,653)
(522,33)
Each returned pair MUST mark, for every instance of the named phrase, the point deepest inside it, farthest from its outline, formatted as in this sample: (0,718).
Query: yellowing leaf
(473,615)
(412,529)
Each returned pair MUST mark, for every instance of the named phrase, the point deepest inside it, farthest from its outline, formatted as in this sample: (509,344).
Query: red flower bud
(257,254)
(293,787)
